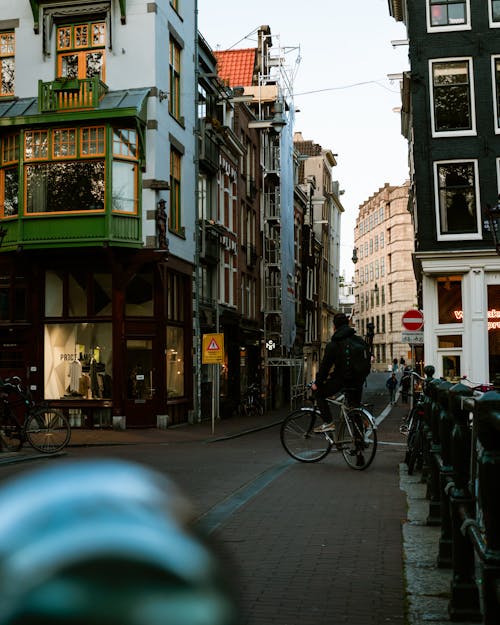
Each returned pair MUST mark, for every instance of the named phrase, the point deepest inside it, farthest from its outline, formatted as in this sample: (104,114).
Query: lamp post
(493,214)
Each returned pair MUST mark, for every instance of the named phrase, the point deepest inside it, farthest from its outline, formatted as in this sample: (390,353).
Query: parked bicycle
(413,424)
(47,430)
(251,404)
(355,433)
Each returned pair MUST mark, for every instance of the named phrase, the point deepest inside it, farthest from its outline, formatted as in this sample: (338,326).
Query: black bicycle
(47,430)
(413,425)
(356,437)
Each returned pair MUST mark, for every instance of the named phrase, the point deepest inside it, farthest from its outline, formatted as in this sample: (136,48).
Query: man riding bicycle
(345,365)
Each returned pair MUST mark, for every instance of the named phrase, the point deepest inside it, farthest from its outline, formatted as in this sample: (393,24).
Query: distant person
(402,364)
(395,366)
(392,385)
(345,365)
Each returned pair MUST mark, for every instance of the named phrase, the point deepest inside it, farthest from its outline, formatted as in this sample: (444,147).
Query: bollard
(445,471)
(464,599)
(106,543)
(487,415)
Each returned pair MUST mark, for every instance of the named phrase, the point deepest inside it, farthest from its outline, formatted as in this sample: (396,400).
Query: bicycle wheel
(358,442)
(299,439)
(47,430)
(11,438)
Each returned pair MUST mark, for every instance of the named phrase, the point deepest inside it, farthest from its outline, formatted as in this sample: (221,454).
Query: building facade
(385,286)
(450,116)
(98,249)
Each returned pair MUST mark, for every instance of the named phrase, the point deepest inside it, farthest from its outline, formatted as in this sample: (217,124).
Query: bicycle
(47,430)
(413,425)
(356,437)
(251,404)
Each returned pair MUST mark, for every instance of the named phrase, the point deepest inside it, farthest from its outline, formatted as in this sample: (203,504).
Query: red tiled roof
(236,67)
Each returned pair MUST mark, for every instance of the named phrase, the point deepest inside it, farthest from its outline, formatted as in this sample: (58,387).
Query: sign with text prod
(213,349)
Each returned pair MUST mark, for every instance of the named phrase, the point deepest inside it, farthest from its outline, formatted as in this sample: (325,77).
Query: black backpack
(356,362)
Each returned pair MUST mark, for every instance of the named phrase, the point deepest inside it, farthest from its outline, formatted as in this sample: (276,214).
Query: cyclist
(333,374)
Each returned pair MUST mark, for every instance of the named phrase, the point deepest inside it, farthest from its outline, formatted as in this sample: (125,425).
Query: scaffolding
(274,96)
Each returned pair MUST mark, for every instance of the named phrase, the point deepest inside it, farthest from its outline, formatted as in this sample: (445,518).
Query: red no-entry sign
(413,320)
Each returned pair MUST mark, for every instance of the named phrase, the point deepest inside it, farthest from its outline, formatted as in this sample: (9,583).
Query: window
(452,102)
(449,296)
(495,61)
(64,170)
(175,190)
(494,13)
(10,175)
(457,203)
(13,298)
(447,15)
(81,50)
(174,103)
(124,170)
(7,63)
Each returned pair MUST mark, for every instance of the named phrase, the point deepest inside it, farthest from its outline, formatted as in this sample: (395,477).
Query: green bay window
(64,171)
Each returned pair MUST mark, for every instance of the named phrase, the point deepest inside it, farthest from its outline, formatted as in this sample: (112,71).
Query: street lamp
(354,255)
(493,214)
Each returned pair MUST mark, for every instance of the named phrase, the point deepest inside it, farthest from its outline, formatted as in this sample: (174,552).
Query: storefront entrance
(141,383)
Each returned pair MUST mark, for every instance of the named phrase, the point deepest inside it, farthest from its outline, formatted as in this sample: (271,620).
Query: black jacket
(333,353)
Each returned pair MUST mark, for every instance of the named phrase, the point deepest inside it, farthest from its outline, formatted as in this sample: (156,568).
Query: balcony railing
(64,94)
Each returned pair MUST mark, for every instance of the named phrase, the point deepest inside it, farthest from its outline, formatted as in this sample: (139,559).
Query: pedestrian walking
(395,366)
(402,364)
(392,385)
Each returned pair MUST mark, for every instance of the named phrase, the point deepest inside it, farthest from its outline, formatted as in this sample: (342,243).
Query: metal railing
(462,472)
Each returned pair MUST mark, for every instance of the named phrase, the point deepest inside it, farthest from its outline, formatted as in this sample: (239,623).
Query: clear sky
(341,87)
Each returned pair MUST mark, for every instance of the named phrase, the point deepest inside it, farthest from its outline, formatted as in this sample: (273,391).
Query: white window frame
(495,58)
(448,27)
(453,133)
(490,16)
(467,236)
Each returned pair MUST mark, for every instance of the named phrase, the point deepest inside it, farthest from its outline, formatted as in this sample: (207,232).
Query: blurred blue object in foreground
(105,542)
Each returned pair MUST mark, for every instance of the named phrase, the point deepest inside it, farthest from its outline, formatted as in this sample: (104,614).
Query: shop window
(456,191)
(494,333)
(139,296)
(452,97)
(7,63)
(449,290)
(54,288)
(175,362)
(139,367)
(77,294)
(78,361)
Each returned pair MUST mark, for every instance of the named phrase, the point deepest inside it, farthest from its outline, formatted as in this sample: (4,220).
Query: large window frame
(81,50)
(446,8)
(174,102)
(494,13)
(7,63)
(495,81)
(446,87)
(457,194)
(175,212)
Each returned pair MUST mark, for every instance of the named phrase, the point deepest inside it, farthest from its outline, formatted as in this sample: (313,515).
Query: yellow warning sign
(213,349)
